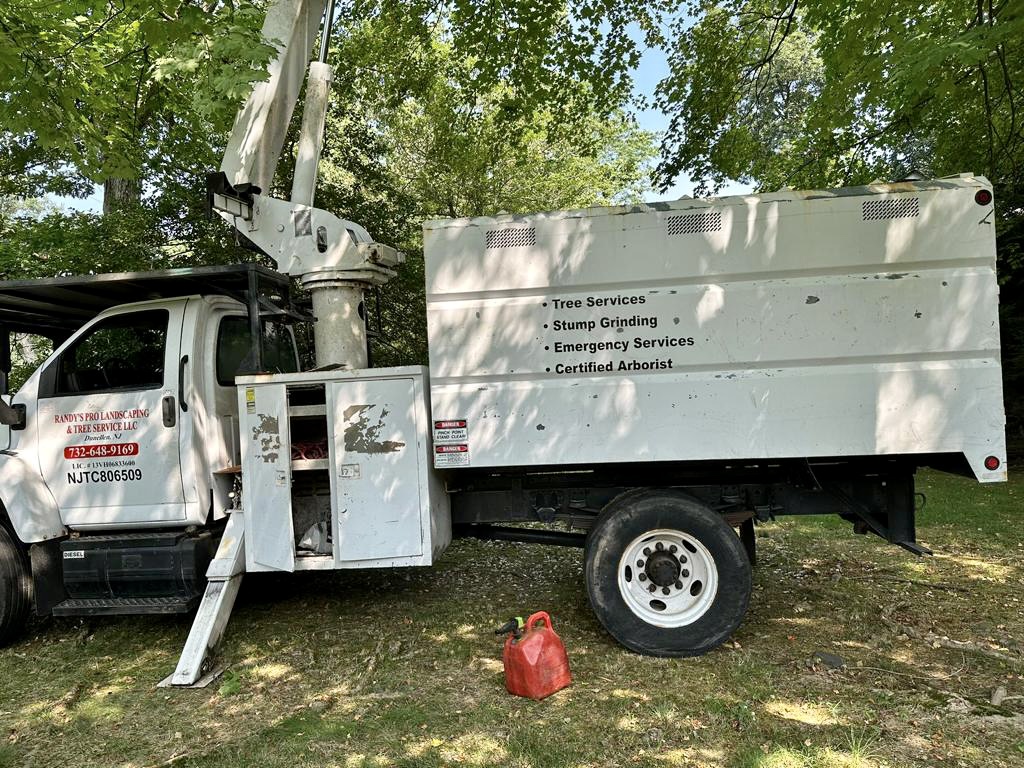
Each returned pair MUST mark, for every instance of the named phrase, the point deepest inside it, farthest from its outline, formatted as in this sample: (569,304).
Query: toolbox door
(267,480)
(377,505)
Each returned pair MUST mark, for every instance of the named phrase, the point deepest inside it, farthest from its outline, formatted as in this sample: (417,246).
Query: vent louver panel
(692,223)
(900,208)
(518,237)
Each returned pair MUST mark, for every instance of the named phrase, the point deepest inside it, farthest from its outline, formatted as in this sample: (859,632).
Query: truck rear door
(108,420)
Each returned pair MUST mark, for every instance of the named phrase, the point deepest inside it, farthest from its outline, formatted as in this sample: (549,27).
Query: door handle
(170,412)
(181,383)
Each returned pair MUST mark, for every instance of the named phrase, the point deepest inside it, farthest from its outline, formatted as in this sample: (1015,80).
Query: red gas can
(535,664)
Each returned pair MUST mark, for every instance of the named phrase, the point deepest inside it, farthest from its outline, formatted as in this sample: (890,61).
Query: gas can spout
(513,626)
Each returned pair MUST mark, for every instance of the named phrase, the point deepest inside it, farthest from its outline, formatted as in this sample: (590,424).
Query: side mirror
(12,416)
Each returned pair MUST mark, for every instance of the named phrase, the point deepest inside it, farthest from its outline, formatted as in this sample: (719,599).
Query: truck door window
(235,349)
(122,352)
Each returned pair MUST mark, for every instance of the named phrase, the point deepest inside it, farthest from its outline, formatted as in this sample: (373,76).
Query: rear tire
(15,588)
(696,563)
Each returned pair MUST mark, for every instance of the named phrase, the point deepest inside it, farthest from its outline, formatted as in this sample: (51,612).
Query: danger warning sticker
(451,456)
(451,431)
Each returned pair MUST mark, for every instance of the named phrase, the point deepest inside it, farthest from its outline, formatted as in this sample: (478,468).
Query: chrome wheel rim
(667,578)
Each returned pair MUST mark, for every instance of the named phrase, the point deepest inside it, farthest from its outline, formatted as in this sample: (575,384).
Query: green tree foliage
(834,92)
(163,231)
(92,90)
(100,90)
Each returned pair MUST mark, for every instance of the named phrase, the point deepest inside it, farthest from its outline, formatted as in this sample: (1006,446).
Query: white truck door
(108,416)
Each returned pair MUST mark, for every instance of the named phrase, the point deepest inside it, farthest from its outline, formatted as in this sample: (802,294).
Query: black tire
(15,588)
(629,517)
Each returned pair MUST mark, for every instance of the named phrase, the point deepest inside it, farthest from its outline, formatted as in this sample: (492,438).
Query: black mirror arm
(12,416)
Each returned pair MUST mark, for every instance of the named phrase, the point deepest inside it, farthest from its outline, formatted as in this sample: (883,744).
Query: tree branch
(86,38)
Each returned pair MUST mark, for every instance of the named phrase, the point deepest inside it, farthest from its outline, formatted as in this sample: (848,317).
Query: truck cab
(130,428)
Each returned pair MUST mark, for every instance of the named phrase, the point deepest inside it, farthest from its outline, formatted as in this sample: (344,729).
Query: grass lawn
(401,667)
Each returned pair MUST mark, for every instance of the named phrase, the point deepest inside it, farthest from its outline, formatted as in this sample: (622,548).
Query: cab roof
(59,305)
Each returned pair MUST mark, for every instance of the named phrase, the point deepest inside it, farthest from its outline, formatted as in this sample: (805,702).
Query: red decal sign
(456,424)
(101,450)
(451,449)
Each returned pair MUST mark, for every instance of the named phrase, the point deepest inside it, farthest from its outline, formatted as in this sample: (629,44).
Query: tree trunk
(120,194)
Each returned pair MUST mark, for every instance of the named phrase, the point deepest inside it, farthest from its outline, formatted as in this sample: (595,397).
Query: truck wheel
(666,575)
(15,593)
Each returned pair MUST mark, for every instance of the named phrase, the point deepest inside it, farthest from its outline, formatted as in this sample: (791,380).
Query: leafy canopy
(834,92)
(94,89)
(98,89)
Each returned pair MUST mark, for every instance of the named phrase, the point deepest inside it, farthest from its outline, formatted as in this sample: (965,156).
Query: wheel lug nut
(639,563)
(664,590)
(652,588)
(672,548)
(685,573)
(643,577)
(679,585)
(659,546)
(647,551)
(682,558)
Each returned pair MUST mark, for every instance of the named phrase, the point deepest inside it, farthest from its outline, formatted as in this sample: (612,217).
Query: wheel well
(5,521)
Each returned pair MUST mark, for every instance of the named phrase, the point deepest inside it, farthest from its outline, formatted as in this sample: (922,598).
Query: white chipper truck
(643,382)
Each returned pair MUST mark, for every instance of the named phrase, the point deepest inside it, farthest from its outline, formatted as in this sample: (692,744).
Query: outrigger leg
(224,576)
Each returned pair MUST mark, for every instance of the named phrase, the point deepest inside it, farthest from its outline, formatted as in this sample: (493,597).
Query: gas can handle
(539,615)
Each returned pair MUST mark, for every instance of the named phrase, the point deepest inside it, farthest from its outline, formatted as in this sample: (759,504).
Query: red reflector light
(983,197)
(992,463)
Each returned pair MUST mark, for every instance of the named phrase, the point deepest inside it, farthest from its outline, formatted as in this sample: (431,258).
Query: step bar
(124,606)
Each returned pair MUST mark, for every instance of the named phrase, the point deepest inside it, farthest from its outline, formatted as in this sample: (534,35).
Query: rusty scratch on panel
(268,433)
(363,437)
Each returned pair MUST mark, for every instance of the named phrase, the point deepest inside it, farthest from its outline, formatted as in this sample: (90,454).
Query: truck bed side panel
(852,322)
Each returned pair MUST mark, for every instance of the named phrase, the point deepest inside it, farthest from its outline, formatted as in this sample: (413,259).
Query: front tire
(15,589)
(666,575)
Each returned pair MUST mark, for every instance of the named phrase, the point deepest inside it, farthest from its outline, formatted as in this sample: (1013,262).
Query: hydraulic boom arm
(335,258)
